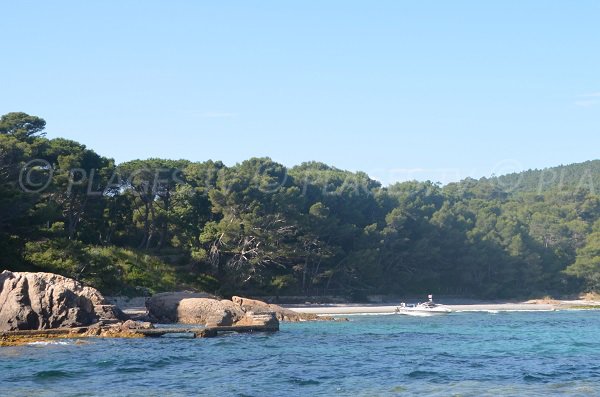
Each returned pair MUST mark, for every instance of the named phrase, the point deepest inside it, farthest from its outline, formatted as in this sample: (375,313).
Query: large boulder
(163,307)
(196,308)
(268,320)
(201,308)
(282,314)
(211,312)
(36,301)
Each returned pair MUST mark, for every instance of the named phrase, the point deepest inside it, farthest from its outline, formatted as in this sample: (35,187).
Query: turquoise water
(462,354)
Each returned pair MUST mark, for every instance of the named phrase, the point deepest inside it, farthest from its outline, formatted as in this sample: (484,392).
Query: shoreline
(136,308)
(529,306)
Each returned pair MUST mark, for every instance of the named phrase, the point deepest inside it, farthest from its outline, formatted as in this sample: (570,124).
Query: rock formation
(211,312)
(281,313)
(188,308)
(36,301)
(262,319)
(162,307)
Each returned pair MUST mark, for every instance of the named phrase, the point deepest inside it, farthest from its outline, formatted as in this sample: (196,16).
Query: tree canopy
(261,228)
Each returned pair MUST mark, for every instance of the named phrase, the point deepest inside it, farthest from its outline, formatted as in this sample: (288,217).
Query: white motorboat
(424,309)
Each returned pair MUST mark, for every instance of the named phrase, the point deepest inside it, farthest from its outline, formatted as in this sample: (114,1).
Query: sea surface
(461,354)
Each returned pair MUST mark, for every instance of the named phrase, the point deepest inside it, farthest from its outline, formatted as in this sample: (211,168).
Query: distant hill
(573,177)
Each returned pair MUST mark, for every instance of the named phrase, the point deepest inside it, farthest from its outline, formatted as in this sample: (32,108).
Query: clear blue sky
(436,90)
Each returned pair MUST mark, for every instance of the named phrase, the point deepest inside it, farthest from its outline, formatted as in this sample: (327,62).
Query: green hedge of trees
(261,228)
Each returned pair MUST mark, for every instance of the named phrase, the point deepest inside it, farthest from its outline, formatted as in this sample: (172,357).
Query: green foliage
(260,228)
(112,269)
(206,282)
(21,125)
(582,177)
(71,259)
(587,264)
(139,270)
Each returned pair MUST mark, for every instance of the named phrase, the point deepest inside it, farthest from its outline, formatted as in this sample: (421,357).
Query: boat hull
(423,312)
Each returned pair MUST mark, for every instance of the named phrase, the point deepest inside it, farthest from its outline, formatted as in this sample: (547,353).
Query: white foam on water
(46,343)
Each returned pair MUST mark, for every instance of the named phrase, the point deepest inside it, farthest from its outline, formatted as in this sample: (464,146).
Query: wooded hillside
(261,228)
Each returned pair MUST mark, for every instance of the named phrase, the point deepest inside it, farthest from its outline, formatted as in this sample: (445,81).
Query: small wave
(53,374)
(584,344)
(131,369)
(532,378)
(422,374)
(304,382)
(105,363)
(164,362)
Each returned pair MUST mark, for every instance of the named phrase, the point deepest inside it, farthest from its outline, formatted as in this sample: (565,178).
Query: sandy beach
(135,306)
(535,305)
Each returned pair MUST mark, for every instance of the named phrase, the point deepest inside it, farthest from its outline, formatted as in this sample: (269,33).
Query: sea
(460,354)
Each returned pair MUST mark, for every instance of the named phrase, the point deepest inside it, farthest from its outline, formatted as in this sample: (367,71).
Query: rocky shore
(39,306)
(40,301)
(201,308)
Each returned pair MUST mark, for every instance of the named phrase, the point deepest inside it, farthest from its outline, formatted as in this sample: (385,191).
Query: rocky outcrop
(188,308)
(133,325)
(211,312)
(163,307)
(37,301)
(281,313)
(128,329)
(261,319)
(119,330)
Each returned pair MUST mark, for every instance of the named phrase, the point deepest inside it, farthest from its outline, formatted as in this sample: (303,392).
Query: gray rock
(263,319)
(282,314)
(211,312)
(202,308)
(163,307)
(132,325)
(193,308)
(30,301)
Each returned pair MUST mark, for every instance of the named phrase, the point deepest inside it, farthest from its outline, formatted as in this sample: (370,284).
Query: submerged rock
(36,301)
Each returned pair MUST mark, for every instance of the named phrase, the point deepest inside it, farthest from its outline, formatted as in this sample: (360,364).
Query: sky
(426,90)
